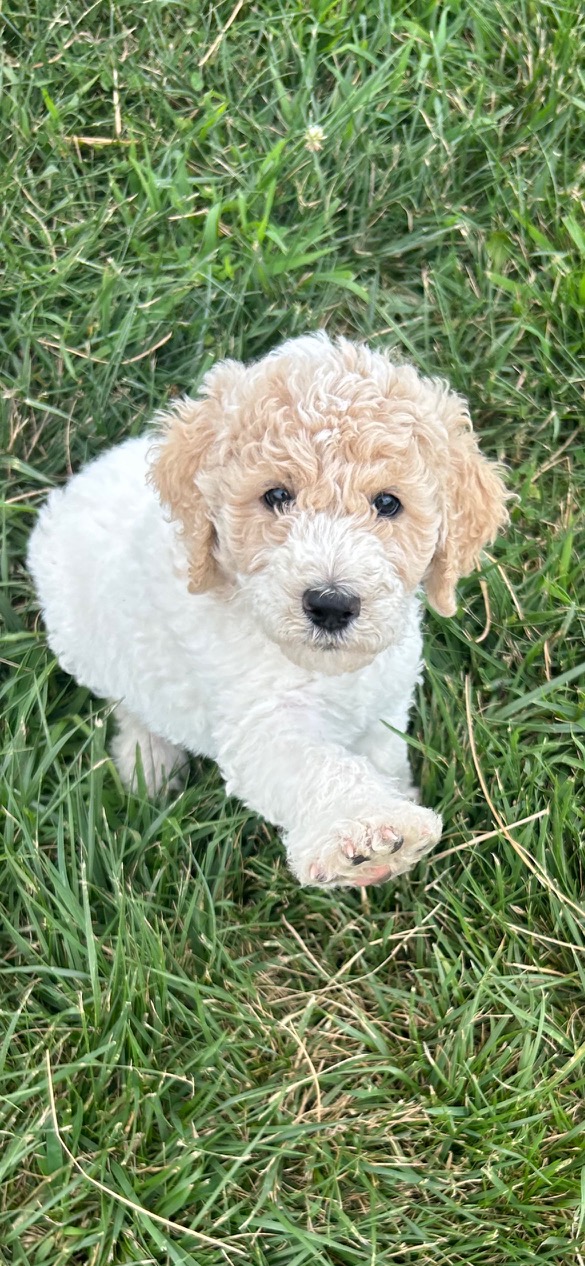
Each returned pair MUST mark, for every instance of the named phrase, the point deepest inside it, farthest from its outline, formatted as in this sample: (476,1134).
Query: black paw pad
(398,845)
(358,859)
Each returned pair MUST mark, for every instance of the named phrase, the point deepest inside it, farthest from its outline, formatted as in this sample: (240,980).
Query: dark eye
(277,498)
(387,505)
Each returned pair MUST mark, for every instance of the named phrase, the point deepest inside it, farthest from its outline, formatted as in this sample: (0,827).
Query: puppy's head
(327,484)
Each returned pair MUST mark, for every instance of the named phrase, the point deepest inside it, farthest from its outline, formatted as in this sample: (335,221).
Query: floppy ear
(475,507)
(181,461)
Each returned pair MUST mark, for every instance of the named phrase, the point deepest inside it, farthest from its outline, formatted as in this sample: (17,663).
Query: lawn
(200,1062)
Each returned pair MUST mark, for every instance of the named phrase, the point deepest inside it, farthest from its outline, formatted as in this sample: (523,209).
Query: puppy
(244,582)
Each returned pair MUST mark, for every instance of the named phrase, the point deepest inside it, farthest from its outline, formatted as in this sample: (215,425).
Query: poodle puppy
(244,582)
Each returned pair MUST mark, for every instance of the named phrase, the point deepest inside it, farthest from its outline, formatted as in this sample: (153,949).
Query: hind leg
(163,764)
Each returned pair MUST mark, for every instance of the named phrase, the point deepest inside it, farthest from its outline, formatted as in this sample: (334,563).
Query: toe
(373,875)
(386,838)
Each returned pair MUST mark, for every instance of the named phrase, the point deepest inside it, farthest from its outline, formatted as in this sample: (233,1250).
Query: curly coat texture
(169,585)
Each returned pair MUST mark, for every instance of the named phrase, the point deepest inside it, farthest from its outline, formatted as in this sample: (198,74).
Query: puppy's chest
(347,706)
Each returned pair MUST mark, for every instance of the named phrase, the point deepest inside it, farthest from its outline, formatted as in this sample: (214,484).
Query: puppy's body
(111,574)
(293,715)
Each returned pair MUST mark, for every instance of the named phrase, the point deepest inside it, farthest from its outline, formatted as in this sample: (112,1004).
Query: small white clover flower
(314,137)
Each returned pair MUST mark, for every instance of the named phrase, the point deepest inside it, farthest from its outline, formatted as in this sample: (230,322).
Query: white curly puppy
(244,583)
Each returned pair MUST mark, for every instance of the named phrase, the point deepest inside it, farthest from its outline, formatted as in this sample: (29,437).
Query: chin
(328,660)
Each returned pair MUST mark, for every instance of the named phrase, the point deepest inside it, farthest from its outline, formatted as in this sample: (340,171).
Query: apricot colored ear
(475,508)
(179,456)
(183,452)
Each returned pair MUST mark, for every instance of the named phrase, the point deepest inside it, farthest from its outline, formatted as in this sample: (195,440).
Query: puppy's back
(89,554)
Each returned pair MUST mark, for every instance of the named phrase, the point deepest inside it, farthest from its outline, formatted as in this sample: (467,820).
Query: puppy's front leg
(344,824)
(388,753)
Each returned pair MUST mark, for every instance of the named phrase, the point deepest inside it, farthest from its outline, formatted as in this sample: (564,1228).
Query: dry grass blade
(523,853)
(199,1236)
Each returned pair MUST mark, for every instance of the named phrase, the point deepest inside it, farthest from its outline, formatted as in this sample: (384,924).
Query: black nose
(331,608)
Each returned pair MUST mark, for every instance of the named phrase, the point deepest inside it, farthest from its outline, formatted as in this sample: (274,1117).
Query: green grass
(190,1045)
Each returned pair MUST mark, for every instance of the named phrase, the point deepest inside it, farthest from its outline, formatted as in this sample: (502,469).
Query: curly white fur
(194,623)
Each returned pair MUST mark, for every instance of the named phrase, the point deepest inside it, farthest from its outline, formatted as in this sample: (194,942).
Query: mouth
(323,641)
(325,652)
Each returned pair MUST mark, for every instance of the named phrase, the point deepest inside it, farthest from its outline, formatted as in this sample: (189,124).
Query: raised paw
(373,849)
